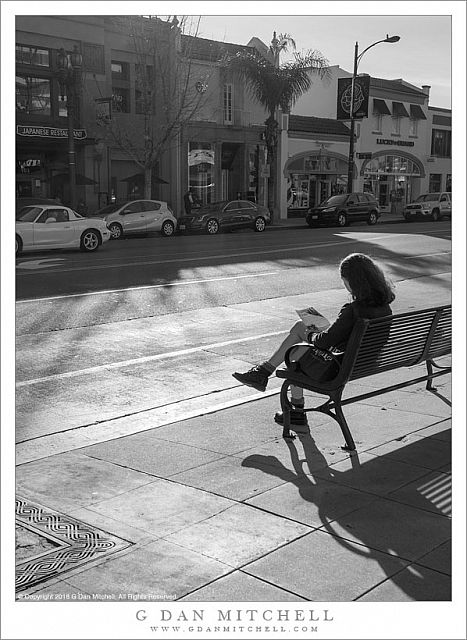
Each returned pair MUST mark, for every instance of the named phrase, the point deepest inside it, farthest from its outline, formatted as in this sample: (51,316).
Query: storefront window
(120,100)
(120,70)
(441,143)
(435,183)
(228,103)
(201,167)
(391,179)
(32,56)
(413,127)
(33,95)
(391,165)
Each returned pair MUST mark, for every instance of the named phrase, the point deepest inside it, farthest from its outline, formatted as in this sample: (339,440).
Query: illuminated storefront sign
(49,132)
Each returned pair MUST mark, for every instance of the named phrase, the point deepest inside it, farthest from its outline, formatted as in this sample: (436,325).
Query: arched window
(392,165)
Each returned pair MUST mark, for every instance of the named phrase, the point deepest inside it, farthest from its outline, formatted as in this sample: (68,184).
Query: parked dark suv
(344,209)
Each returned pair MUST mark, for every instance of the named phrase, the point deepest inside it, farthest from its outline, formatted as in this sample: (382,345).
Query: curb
(303,225)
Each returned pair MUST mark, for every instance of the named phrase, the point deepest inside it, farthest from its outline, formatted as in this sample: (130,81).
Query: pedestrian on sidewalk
(190,201)
(371,295)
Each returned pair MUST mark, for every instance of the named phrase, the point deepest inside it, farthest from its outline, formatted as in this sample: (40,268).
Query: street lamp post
(69,67)
(356,60)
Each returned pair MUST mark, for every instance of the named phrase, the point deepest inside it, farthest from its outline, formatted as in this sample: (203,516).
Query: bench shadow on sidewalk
(420,501)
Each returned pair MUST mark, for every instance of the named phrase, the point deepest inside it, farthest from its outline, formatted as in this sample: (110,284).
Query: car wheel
(260,224)
(372,218)
(168,228)
(212,226)
(90,240)
(341,219)
(435,215)
(407,218)
(116,231)
(19,245)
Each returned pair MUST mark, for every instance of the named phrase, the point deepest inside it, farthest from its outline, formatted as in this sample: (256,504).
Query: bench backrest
(401,340)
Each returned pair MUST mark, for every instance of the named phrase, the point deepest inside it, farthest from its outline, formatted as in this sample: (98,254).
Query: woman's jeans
(298,333)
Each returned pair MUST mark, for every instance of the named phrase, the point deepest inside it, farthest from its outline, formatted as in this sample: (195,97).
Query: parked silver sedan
(138,216)
(51,226)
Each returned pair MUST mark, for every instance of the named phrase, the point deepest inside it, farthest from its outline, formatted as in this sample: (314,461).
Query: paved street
(129,425)
(95,362)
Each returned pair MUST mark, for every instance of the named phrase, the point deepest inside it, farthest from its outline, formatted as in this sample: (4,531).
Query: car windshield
(28,214)
(333,200)
(110,208)
(427,197)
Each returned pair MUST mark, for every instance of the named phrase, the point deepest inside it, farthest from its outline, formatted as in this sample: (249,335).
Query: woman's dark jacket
(339,332)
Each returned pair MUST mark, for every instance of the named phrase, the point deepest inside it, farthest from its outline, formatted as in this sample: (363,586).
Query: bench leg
(349,441)
(429,383)
(286,407)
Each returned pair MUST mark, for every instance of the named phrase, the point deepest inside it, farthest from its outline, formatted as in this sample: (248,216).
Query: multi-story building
(106,171)
(222,147)
(402,149)
(214,146)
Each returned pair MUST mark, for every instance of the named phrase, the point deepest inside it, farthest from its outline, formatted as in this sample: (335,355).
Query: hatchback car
(343,209)
(40,227)
(138,216)
(226,215)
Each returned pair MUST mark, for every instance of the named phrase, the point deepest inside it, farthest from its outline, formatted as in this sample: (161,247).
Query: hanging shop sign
(200,156)
(360,98)
(28,165)
(49,132)
(395,143)
(103,111)
(364,156)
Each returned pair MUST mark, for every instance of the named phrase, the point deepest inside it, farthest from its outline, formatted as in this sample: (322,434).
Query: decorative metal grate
(76,543)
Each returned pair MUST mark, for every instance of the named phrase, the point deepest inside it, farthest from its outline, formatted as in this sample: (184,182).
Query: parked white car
(42,226)
(429,205)
(138,216)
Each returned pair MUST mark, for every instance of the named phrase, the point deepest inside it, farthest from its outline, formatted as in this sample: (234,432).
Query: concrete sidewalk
(220,508)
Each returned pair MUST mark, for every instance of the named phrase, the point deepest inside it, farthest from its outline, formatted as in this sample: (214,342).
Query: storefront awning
(139,177)
(416,112)
(80,178)
(399,111)
(380,107)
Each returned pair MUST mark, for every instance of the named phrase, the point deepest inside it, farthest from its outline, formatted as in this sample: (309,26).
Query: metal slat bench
(376,346)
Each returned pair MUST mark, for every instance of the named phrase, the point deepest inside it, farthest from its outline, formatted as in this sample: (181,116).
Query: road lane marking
(428,255)
(198,257)
(150,286)
(136,361)
(186,282)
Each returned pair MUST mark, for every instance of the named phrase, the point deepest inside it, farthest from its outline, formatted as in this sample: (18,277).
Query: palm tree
(277,86)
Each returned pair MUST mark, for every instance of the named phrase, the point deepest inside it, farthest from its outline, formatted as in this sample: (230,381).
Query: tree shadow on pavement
(409,520)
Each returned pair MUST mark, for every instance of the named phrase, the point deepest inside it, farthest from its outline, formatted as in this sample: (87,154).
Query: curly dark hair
(367,282)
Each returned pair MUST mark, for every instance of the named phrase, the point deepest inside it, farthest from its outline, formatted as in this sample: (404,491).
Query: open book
(313,318)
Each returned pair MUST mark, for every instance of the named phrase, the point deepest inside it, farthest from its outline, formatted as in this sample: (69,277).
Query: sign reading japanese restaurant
(49,132)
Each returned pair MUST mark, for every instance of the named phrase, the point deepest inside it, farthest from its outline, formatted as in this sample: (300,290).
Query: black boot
(257,377)
(297,418)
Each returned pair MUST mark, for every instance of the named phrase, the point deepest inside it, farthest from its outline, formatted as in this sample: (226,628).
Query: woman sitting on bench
(371,297)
